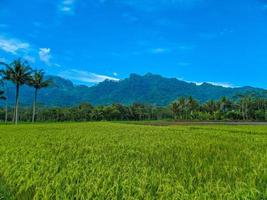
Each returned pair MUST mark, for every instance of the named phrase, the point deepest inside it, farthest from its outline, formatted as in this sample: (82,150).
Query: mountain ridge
(149,89)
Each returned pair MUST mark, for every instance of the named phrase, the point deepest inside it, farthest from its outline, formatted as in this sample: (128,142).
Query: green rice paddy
(125,161)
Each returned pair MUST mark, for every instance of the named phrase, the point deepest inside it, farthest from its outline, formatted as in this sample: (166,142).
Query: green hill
(150,89)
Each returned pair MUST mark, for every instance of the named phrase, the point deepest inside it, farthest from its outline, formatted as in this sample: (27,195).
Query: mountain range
(148,89)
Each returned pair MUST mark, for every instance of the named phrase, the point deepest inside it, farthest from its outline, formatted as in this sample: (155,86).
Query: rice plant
(123,161)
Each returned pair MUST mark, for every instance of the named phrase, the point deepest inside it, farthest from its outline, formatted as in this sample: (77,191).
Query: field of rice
(125,161)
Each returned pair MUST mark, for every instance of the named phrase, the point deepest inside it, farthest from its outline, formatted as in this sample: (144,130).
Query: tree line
(250,107)
(246,108)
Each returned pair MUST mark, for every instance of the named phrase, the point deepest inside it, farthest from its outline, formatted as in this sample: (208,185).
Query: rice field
(126,161)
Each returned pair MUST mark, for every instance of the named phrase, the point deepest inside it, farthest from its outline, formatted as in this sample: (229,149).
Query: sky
(221,42)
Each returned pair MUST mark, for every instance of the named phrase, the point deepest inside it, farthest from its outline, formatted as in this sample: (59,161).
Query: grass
(124,161)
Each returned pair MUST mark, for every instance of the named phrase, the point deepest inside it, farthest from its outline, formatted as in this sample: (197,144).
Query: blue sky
(224,42)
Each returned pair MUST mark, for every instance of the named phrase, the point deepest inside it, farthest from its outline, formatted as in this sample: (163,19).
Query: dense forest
(248,107)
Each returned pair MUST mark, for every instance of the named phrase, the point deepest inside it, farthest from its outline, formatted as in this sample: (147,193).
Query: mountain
(150,89)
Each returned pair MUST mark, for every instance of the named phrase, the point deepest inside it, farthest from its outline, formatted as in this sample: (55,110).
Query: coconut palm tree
(2,96)
(38,82)
(18,72)
(3,83)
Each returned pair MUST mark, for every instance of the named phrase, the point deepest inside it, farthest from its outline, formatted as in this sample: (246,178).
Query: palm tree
(19,73)
(193,105)
(2,82)
(38,82)
(175,109)
(2,96)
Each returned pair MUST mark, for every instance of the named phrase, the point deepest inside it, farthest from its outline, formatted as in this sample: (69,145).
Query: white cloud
(225,85)
(152,51)
(57,65)
(221,84)
(86,77)
(45,55)
(24,50)
(158,50)
(13,46)
(148,47)
(67,6)
(66,9)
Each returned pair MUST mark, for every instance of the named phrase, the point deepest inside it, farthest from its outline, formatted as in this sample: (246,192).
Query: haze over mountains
(149,89)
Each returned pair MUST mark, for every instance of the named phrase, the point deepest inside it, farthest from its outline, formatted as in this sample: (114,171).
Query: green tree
(37,81)
(192,105)
(182,107)
(3,83)
(18,72)
(175,109)
(2,93)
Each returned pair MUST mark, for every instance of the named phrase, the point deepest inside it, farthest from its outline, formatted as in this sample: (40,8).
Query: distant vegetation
(242,104)
(247,108)
(118,161)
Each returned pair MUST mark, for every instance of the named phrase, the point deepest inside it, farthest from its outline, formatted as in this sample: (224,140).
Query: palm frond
(18,72)
(38,80)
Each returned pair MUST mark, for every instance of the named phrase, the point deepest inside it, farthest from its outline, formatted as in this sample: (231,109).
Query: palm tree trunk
(17,104)
(14,114)
(6,110)
(243,110)
(246,106)
(34,106)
